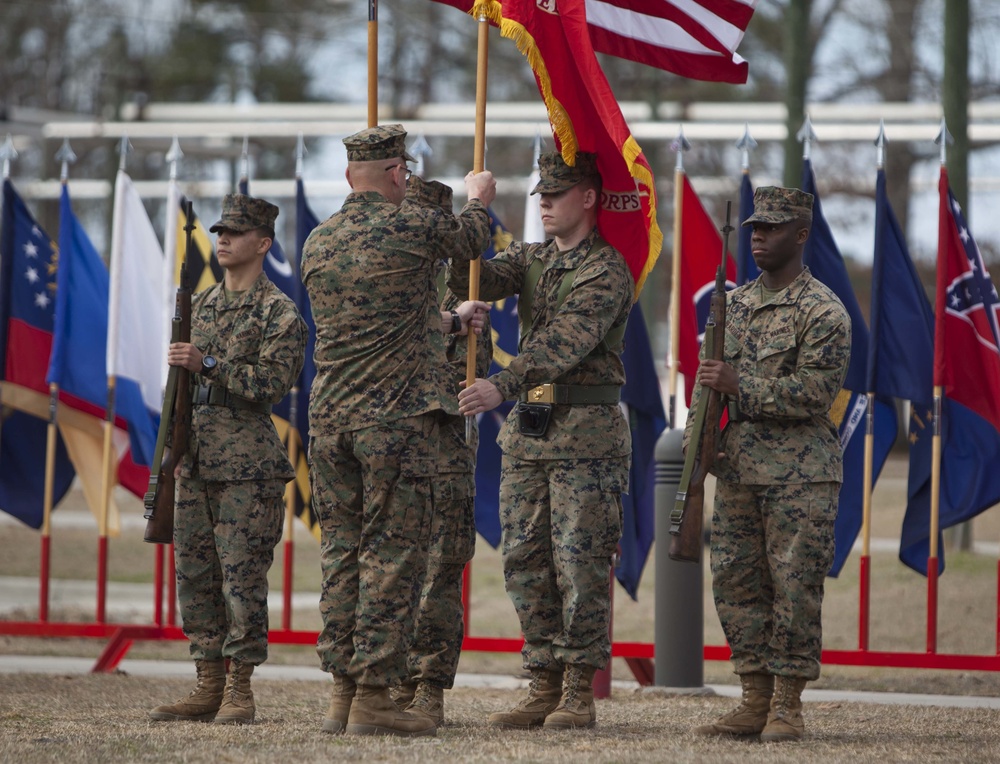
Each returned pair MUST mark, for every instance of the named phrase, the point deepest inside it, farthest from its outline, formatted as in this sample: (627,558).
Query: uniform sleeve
(277,365)
(500,277)
(824,352)
(600,294)
(444,236)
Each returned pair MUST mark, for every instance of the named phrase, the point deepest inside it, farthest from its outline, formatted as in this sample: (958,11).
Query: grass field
(101,718)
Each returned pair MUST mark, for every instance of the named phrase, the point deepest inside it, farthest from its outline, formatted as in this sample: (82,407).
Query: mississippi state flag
(967,336)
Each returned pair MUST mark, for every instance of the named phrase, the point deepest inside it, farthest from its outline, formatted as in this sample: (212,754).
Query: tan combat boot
(344,689)
(374,713)
(203,702)
(237,698)
(785,720)
(428,702)
(576,706)
(402,694)
(750,716)
(544,693)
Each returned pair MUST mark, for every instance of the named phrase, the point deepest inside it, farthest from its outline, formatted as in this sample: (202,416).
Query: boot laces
(423,698)
(571,685)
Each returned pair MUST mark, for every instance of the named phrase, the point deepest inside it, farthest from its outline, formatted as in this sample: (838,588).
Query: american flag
(696,39)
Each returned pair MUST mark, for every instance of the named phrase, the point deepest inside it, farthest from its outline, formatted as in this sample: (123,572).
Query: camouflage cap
(774,204)
(557,176)
(381,142)
(245,213)
(429,193)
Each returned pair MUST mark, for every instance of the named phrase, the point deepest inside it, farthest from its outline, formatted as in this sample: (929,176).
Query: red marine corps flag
(585,117)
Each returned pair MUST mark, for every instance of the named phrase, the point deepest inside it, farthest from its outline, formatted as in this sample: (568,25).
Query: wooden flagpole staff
(478,165)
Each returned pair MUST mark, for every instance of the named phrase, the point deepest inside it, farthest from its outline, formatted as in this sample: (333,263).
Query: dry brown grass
(103,718)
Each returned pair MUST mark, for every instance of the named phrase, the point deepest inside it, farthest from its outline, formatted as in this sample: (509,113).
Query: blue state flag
(901,364)
(824,260)
(746,266)
(80,333)
(647,419)
(505,333)
(27,291)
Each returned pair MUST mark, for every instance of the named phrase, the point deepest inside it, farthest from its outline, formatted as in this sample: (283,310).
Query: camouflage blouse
(564,343)
(259,341)
(791,355)
(370,271)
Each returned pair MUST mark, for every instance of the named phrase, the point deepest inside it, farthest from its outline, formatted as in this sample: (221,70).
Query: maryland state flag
(203,266)
(585,117)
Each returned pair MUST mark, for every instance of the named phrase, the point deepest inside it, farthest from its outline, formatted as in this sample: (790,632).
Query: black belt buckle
(533,418)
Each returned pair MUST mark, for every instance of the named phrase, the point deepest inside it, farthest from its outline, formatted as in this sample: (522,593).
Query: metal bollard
(679,633)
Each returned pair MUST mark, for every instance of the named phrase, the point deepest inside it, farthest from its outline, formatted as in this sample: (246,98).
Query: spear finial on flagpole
(420,149)
(7,154)
(300,153)
(679,145)
(67,157)
(880,143)
(174,155)
(124,147)
(245,159)
(943,140)
(746,144)
(806,136)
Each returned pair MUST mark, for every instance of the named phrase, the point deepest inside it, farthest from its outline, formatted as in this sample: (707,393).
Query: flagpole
(293,456)
(478,165)
(372,63)
(745,144)
(107,478)
(173,156)
(679,146)
(66,156)
(7,153)
(942,140)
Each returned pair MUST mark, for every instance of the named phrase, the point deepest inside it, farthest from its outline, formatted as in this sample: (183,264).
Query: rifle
(175,417)
(687,517)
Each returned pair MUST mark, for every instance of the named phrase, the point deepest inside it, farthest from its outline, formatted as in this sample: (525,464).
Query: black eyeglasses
(407,172)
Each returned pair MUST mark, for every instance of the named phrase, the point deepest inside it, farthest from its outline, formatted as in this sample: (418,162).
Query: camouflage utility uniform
(778,485)
(439,624)
(230,505)
(560,494)
(380,395)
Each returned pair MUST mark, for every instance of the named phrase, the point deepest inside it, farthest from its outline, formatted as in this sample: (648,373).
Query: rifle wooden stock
(687,516)
(175,419)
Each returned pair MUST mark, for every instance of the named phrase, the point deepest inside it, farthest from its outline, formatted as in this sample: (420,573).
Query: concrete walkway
(37,664)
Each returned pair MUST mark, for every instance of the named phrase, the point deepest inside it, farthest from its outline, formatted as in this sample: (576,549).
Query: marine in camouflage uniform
(378,400)
(788,344)
(439,626)
(248,346)
(560,493)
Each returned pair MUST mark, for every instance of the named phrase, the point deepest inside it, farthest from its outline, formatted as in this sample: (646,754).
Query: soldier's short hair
(245,213)
(774,204)
(381,142)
